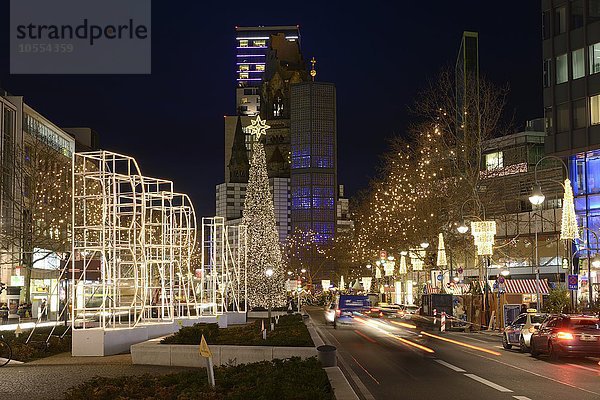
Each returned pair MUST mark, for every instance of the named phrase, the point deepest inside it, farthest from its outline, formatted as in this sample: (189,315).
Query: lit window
(244,100)
(260,67)
(562,69)
(595,110)
(244,67)
(243,43)
(577,61)
(594,58)
(494,160)
(260,43)
(244,75)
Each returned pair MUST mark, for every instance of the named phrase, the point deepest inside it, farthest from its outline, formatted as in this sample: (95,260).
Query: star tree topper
(259,127)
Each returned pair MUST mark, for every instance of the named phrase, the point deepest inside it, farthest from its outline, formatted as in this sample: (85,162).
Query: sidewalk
(61,372)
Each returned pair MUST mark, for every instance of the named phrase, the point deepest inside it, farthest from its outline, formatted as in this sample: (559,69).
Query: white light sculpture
(568,228)
(441,253)
(483,234)
(402,269)
(366,282)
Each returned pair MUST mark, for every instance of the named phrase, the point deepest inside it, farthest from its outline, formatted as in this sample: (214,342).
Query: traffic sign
(501,279)
(203,349)
(460,270)
(573,282)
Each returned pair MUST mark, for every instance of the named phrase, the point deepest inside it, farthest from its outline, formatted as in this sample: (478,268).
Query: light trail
(407,342)
(365,336)
(469,346)
(404,324)
(413,344)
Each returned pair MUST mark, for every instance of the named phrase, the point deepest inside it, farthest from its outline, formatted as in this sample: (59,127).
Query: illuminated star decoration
(259,127)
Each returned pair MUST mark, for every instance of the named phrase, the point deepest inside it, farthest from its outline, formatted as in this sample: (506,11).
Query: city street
(384,360)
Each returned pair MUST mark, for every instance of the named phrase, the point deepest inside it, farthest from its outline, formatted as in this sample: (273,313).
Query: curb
(342,389)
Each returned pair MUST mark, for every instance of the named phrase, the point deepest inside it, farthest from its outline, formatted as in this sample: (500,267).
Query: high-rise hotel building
(252,51)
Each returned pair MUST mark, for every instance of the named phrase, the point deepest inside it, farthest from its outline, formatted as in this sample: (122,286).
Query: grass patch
(290,331)
(292,379)
(37,347)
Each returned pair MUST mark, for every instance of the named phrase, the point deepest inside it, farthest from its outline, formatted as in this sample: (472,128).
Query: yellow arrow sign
(203,349)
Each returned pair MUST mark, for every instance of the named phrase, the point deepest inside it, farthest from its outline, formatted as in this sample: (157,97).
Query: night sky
(379,55)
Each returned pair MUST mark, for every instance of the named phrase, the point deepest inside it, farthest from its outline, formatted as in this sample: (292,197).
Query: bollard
(327,355)
(443,322)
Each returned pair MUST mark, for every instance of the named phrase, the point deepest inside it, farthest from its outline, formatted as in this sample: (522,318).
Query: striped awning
(526,286)
(459,289)
(431,289)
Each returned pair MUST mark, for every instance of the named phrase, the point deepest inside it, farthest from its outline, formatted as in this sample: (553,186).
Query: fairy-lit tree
(264,251)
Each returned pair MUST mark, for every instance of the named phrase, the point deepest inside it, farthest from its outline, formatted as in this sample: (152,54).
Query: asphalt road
(383,360)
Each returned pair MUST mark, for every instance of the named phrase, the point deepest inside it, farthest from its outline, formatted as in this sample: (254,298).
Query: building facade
(314,159)
(36,193)
(571,80)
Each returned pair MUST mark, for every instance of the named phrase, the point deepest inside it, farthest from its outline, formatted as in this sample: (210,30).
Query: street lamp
(463,228)
(424,244)
(368,266)
(505,272)
(536,199)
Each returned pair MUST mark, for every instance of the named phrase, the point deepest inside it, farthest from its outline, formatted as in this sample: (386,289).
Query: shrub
(280,379)
(290,331)
(37,346)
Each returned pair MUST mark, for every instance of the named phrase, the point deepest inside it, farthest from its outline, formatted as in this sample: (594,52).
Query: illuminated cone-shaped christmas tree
(263,241)
(568,229)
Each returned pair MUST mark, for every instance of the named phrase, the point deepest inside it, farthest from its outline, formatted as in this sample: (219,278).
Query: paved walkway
(50,377)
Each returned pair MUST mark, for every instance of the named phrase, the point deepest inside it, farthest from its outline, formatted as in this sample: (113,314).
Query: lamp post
(536,199)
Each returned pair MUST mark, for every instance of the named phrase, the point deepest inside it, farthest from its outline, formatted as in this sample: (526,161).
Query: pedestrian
(4,313)
(44,309)
(523,308)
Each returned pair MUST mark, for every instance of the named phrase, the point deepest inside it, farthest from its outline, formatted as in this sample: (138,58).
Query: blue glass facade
(584,173)
(313,159)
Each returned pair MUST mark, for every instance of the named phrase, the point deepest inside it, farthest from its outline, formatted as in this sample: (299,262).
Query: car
(519,332)
(567,335)
(409,311)
(391,310)
(373,312)
(347,306)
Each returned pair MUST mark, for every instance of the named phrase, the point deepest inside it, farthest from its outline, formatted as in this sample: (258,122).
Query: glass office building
(314,159)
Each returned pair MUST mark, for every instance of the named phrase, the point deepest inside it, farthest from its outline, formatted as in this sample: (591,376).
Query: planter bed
(288,379)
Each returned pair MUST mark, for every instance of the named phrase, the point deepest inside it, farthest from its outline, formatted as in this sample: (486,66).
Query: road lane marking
(364,369)
(452,367)
(461,343)
(521,397)
(488,383)
(586,368)
(534,373)
(470,338)
(365,336)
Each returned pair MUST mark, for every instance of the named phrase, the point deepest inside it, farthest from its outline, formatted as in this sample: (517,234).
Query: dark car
(567,335)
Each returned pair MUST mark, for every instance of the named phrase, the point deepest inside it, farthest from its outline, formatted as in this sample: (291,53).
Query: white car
(519,332)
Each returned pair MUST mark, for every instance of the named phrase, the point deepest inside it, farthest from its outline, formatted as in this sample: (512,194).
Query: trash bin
(327,355)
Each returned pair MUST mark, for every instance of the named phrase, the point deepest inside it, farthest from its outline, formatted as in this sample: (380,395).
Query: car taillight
(564,335)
